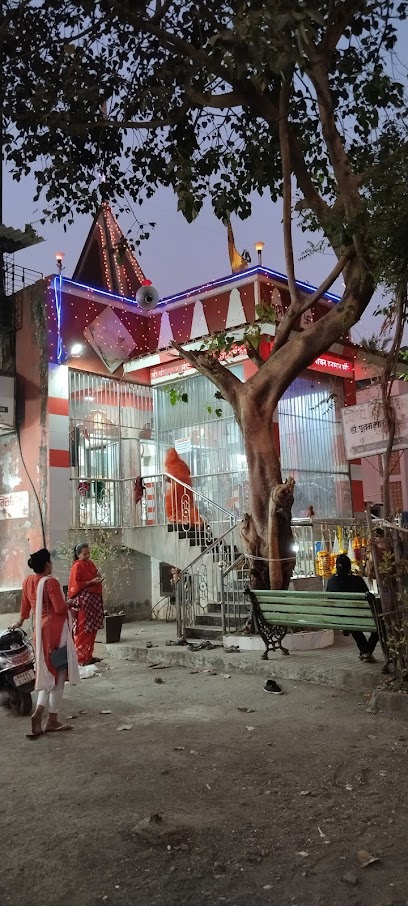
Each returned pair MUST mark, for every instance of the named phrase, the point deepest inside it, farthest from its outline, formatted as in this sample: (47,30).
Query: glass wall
(312,447)
(120,430)
(209,441)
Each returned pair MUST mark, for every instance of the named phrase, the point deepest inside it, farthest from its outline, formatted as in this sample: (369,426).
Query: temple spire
(106,261)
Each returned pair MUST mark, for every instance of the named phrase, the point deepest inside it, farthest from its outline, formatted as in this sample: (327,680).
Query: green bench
(275,612)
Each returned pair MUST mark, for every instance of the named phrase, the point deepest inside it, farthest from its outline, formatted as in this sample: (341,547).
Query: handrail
(197,493)
(208,549)
(237,563)
(161,475)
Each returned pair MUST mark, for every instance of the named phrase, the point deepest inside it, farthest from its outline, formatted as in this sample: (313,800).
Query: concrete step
(337,667)
(204,631)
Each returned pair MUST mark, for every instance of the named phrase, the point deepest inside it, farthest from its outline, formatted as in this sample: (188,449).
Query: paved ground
(336,666)
(200,802)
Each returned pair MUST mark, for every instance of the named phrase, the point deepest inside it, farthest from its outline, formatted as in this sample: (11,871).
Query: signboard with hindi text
(15,506)
(365,429)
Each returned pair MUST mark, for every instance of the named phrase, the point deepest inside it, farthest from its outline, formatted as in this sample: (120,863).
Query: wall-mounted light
(59,257)
(259,247)
(77,350)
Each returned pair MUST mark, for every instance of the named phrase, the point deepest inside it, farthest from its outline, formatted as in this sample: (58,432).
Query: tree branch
(293,313)
(387,383)
(162,7)
(342,15)
(217,101)
(284,142)
(253,354)
(346,179)
(227,383)
(303,347)
(260,102)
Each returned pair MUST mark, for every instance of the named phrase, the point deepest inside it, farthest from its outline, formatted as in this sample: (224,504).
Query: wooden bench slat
(263,594)
(328,609)
(365,625)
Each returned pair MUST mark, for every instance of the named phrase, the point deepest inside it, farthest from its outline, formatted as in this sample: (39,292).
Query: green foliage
(386,194)
(115,562)
(176,395)
(219,342)
(266,313)
(80,80)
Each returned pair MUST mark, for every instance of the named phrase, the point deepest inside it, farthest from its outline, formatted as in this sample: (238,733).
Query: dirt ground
(200,802)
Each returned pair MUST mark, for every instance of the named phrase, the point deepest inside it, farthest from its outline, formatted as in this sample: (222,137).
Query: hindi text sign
(365,429)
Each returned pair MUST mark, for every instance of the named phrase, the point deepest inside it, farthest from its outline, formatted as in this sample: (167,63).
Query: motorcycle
(17,677)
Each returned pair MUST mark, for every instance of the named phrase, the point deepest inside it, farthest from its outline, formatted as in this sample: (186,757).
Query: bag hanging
(59,658)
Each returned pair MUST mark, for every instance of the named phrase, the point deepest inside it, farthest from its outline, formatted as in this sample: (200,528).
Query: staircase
(210,590)
(204,552)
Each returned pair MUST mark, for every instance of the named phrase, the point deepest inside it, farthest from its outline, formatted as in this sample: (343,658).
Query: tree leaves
(79,81)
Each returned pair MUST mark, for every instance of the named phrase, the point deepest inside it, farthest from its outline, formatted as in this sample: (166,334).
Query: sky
(177,255)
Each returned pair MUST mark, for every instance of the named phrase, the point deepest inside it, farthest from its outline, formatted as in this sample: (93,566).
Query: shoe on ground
(272,686)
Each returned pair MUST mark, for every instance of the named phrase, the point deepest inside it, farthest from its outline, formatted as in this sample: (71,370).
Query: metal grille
(311,442)
(108,419)
(312,446)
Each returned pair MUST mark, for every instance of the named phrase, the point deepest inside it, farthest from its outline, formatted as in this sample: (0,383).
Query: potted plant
(109,559)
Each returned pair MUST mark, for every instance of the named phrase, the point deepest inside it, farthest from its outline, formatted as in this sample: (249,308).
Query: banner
(365,429)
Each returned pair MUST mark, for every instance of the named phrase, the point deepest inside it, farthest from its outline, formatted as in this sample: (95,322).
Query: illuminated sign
(329,363)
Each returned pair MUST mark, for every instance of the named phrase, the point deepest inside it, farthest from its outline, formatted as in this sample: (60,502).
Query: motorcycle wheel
(22,703)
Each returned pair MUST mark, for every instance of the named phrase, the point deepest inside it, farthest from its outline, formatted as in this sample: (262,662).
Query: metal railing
(210,591)
(202,594)
(112,503)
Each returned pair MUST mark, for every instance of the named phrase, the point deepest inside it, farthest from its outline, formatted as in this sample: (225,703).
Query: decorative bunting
(166,333)
(236,314)
(199,327)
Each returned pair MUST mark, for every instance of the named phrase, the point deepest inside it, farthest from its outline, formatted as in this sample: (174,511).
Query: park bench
(275,612)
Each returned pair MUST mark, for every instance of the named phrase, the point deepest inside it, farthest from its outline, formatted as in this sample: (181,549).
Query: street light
(59,256)
(259,246)
(76,350)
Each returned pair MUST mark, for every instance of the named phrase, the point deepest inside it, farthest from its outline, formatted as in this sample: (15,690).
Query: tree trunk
(267,533)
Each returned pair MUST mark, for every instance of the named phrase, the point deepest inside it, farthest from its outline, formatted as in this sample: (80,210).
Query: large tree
(219,99)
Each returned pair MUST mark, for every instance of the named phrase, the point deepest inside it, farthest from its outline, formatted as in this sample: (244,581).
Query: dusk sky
(179,255)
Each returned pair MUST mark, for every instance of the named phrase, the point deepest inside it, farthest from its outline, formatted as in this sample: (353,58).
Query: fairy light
(105,258)
(108,219)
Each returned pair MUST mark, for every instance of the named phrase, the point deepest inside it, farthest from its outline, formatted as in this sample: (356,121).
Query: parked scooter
(17,675)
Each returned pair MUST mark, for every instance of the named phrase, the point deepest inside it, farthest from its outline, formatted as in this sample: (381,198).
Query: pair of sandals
(204,646)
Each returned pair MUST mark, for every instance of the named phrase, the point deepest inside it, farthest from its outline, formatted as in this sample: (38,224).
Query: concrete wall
(19,537)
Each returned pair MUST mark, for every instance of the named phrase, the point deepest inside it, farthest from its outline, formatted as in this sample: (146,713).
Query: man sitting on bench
(345,581)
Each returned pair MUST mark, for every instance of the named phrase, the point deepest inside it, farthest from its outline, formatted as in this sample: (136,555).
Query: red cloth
(84,640)
(179,500)
(83,571)
(92,606)
(55,611)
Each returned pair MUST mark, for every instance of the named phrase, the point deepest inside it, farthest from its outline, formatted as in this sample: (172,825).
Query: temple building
(96,382)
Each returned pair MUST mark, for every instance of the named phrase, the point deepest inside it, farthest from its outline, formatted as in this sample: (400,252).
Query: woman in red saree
(179,500)
(85,590)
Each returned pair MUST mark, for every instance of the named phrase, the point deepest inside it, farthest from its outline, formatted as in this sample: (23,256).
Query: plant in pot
(111,561)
